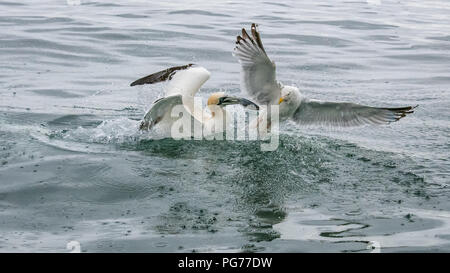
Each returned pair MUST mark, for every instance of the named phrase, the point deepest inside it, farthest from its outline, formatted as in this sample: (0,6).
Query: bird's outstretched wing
(160,76)
(258,77)
(185,80)
(345,114)
(159,108)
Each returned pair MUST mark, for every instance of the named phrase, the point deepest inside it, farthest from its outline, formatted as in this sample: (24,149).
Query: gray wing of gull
(345,114)
(258,77)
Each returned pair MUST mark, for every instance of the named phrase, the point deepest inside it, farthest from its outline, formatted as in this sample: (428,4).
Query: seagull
(183,83)
(258,80)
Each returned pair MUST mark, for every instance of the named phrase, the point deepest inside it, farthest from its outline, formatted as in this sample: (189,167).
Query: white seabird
(258,79)
(184,83)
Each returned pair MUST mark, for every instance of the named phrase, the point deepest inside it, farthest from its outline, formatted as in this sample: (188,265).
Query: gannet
(183,83)
(258,80)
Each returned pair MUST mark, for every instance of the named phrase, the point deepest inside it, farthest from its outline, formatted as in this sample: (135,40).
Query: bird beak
(228,100)
(281,100)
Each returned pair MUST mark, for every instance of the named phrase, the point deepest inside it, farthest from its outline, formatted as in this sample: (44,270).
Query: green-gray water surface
(73,167)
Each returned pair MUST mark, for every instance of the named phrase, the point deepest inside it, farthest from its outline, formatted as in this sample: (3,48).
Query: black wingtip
(136,82)
(254,39)
(402,112)
(160,76)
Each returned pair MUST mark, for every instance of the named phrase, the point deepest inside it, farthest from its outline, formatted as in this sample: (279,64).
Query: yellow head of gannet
(221,99)
(218,100)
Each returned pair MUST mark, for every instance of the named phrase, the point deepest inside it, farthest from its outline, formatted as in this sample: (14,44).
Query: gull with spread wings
(258,79)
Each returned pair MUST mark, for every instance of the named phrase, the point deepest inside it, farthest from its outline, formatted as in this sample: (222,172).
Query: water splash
(113,131)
